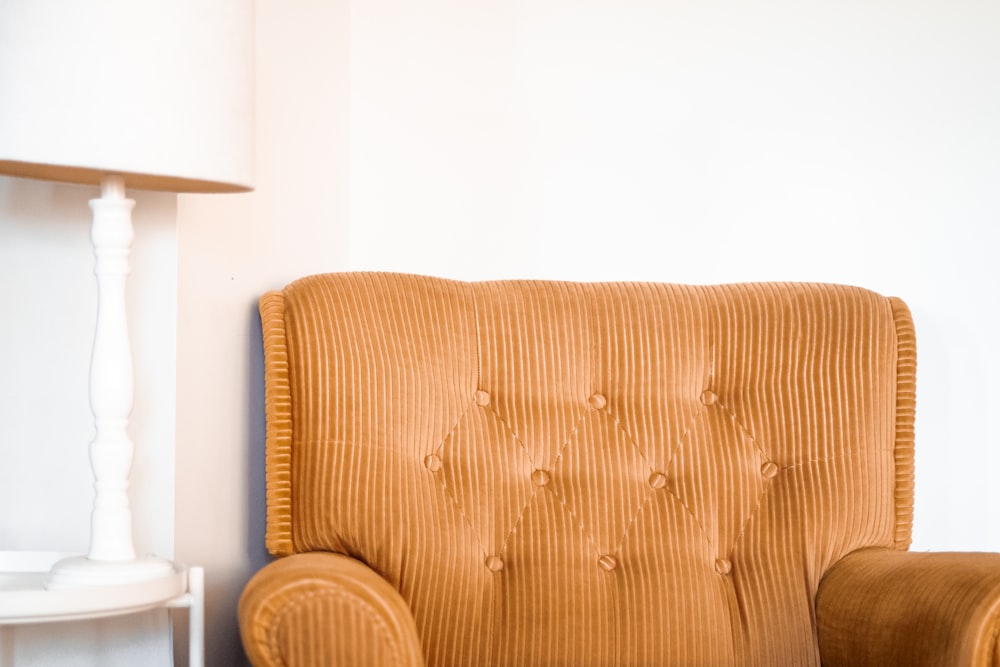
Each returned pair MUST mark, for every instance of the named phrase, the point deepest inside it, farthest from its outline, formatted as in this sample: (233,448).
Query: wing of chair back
(544,473)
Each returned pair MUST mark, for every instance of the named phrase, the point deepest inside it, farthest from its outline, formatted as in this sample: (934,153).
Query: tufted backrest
(585,474)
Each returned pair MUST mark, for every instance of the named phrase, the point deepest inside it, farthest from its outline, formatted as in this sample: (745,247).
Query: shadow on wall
(224,586)
(256,551)
(257,555)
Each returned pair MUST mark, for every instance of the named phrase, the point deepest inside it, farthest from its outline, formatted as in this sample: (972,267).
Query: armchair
(551,473)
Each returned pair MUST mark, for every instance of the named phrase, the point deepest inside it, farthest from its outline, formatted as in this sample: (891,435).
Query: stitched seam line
(300,600)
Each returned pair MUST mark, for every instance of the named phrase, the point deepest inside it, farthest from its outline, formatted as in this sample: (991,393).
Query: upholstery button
(432,462)
(657,480)
(607,562)
(723,566)
(482,398)
(708,397)
(769,470)
(540,477)
(597,401)
(494,563)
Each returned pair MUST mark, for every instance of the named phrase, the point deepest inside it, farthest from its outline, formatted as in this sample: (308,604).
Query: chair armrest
(325,609)
(881,607)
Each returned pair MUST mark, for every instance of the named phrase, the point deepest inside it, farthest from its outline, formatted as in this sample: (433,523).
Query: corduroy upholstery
(546,473)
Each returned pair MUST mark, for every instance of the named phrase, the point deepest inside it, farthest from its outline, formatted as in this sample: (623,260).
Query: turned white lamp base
(111,558)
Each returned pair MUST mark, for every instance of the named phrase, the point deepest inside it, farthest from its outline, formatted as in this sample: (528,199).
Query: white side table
(24,598)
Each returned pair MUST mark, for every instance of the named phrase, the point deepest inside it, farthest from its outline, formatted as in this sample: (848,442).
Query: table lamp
(152,95)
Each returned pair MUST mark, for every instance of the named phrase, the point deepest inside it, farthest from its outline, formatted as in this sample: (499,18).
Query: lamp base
(81,572)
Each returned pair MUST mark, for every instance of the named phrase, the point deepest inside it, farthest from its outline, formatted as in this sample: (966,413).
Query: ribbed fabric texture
(591,474)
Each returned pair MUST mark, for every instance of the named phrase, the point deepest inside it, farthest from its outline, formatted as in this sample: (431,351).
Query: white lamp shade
(157,91)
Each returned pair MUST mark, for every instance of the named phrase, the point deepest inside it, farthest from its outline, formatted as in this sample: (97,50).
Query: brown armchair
(545,473)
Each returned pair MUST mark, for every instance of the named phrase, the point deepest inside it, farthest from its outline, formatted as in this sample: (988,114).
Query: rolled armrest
(325,609)
(879,607)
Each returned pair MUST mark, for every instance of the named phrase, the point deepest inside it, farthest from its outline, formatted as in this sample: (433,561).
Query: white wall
(689,142)
(49,297)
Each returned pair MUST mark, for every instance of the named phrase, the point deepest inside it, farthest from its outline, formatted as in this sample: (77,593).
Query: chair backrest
(591,473)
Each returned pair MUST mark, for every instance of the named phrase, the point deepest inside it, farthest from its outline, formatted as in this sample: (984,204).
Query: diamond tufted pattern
(590,474)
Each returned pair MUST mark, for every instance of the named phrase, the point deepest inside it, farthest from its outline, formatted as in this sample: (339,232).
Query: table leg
(196,622)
